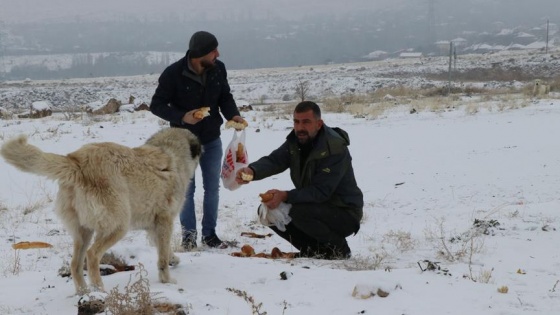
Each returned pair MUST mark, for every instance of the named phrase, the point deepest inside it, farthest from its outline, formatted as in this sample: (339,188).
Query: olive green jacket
(327,175)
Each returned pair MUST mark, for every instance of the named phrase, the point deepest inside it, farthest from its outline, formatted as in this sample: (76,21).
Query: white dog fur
(106,189)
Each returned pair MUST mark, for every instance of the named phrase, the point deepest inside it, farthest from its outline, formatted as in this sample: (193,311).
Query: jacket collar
(189,72)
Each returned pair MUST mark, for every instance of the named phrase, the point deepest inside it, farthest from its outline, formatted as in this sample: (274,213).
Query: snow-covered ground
(471,193)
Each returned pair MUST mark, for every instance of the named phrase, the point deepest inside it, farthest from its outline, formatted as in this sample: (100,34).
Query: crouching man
(327,204)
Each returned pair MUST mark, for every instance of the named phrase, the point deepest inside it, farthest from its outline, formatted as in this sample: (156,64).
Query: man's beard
(208,64)
(303,140)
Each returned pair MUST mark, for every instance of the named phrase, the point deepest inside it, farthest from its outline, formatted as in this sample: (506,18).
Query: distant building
(442,46)
(459,42)
(376,55)
(410,55)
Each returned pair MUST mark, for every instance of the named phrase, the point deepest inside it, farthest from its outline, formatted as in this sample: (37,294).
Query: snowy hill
(511,69)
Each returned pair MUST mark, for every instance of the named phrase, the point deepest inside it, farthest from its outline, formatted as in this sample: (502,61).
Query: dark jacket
(327,176)
(180,90)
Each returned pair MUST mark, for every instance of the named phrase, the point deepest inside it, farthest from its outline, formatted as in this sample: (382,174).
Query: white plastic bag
(279,216)
(235,157)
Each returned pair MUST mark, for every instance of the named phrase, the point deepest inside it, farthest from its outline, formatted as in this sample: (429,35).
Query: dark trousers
(319,230)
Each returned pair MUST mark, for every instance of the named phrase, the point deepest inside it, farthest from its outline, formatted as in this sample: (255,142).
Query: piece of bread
(246,177)
(30,245)
(236,125)
(240,153)
(202,112)
(247,250)
(266,197)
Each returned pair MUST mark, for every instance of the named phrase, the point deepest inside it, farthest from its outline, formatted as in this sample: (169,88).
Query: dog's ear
(196,148)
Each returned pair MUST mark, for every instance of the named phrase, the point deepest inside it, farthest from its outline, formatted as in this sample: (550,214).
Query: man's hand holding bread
(271,198)
(244,175)
(194,116)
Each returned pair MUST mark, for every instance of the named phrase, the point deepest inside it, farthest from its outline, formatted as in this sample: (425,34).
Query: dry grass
(276,111)
(554,84)
(454,247)
(496,73)
(432,104)
(374,261)
(483,275)
(16,263)
(333,105)
(402,240)
(3,207)
(136,298)
(399,91)
(471,108)
(255,307)
(35,205)
(471,99)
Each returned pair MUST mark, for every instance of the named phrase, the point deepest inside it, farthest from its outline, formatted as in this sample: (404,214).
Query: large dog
(107,189)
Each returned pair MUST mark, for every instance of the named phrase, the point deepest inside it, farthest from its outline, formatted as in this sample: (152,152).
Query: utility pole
(454,58)
(450,63)
(2,70)
(546,47)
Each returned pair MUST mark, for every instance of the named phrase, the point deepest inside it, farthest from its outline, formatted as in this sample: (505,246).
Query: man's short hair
(306,106)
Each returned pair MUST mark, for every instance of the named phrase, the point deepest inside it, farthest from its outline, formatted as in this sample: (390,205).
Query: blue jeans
(211,167)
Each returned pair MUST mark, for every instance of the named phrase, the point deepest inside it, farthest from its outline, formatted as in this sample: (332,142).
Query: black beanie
(202,43)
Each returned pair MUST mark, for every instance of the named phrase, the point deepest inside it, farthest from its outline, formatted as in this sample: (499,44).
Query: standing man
(327,204)
(199,80)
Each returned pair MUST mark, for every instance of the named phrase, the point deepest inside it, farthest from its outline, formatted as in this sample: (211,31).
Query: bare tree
(302,89)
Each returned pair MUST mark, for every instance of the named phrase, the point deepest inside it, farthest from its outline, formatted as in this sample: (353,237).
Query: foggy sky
(265,33)
(18,11)
(23,11)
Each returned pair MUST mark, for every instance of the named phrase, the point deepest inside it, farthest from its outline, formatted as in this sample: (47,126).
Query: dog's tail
(29,158)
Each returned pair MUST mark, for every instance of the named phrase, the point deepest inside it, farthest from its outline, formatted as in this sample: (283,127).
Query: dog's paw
(174,261)
(170,280)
